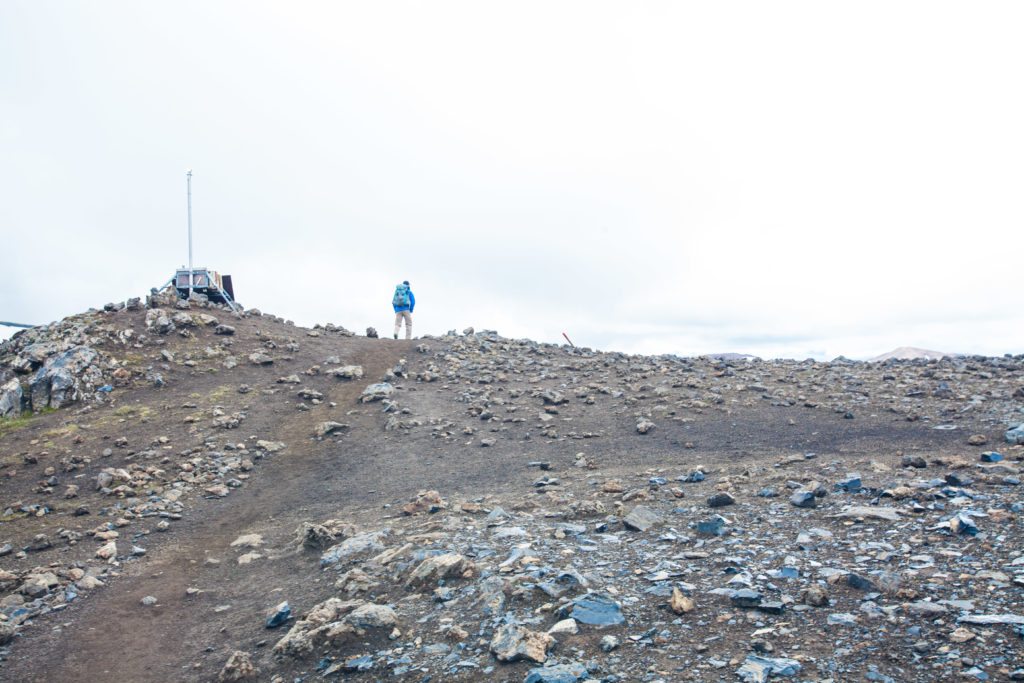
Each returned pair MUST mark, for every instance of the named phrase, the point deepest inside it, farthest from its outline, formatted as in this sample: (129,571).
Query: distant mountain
(910,353)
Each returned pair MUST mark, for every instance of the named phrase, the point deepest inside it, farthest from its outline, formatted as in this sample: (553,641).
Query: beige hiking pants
(407,317)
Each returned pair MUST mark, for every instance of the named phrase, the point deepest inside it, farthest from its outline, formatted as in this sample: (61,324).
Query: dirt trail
(112,638)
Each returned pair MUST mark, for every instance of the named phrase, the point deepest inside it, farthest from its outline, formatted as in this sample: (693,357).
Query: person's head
(405,282)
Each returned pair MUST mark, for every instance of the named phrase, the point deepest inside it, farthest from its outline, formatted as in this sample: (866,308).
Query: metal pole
(189,176)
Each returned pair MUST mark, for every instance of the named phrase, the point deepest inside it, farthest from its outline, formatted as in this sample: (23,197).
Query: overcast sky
(786,179)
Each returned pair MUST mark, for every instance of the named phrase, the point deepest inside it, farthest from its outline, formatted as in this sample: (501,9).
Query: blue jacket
(410,307)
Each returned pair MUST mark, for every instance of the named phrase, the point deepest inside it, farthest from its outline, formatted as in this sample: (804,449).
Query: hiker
(404,302)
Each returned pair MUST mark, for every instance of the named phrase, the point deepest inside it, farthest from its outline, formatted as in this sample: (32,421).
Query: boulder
(11,397)
(57,383)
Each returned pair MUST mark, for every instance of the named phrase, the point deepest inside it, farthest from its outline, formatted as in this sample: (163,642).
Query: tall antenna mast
(188,175)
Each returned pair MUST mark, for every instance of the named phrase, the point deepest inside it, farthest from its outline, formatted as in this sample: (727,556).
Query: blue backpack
(401,297)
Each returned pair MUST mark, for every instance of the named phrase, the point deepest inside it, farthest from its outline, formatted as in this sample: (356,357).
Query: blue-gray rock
(859,582)
(562,673)
(784,573)
(758,669)
(596,609)
(1015,435)
(364,663)
(803,499)
(851,483)
(991,456)
(746,597)
(714,526)
(279,615)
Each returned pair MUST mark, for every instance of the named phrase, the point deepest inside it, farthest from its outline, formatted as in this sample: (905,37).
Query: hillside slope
(703,509)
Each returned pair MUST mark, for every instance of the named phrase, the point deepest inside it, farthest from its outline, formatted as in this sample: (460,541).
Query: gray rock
(925,608)
(11,397)
(596,609)
(350,547)
(713,526)
(868,512)
(642,518)
(758,669)
(851,483)
(861,583)
(438,567)
(372,615)
(644,425)
(803,499)
(989,619)
(225,330)
(347,372)
(325,428)
(1015,435)
(376,392)
(562,673)
(746,597)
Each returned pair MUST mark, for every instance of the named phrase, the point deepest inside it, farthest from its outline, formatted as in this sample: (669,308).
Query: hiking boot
(396,336)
